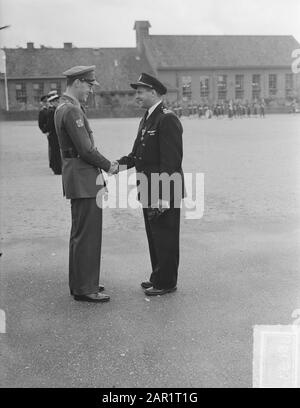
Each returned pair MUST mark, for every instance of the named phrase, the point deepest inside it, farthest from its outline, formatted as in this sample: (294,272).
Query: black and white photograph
(149,197)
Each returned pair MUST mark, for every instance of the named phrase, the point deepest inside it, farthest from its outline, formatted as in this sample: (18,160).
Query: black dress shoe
(146,285)
(93,297)
(159,292)
(100,289)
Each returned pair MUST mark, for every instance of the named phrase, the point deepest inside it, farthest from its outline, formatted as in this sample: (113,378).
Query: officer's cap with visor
(150,82)
(83,73)
(52,93)
(53,98)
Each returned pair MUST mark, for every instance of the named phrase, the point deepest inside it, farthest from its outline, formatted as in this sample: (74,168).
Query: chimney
(30,46)
(68,45)
(142,31)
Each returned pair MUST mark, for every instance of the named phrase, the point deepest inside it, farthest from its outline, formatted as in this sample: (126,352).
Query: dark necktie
(144,118)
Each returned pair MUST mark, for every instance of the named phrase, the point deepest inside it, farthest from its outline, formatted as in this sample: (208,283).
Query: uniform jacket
(50,126)
(158,149)
(79,173)
(43,118)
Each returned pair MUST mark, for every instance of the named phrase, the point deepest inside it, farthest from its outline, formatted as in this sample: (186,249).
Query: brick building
(204,69)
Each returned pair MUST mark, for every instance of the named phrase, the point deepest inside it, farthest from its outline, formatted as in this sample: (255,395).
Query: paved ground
(239,264)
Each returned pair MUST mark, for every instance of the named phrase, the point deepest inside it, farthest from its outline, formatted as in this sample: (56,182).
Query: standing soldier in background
(179,105)
(55,158)
(255,106)
(200,111)
(82,179)
(195,109)
(262,108)
(248,109)
(43,119)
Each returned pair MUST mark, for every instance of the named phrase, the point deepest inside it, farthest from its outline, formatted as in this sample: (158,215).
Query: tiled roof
(209,51)
(115,67)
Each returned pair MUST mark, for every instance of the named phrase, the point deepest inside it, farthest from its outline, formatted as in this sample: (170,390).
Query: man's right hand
(114,168)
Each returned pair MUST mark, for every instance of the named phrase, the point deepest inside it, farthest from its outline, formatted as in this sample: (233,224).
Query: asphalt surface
(239,263)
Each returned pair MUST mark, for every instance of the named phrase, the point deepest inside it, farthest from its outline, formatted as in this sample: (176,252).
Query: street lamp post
(5,82)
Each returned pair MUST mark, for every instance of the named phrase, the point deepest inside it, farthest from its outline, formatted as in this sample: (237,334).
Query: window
(38,91)
(272,84)
(222,87)
(256,86)
(289,84)
(187,87)
(21,95)
(239,86)
(204,87)
(56,86)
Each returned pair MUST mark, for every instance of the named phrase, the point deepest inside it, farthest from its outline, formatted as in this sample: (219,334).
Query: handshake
(114,168)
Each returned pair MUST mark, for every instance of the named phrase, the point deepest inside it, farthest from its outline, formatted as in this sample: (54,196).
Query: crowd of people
(49,103)
(231,109)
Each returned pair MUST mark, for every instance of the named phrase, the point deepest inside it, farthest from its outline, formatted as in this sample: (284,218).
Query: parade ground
(239,263)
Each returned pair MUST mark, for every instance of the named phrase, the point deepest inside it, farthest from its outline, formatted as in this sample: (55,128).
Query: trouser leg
(153,256)
(49,151)
(85,246)
(163,235)
(56,159)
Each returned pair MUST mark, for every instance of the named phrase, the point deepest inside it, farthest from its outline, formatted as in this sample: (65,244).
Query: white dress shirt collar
(153,107)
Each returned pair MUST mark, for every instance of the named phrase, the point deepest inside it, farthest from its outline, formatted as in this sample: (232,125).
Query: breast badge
(79,123)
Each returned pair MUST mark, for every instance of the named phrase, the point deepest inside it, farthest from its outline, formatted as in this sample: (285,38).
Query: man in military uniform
(157,150)
(81,167)
(55,159)
(43,120)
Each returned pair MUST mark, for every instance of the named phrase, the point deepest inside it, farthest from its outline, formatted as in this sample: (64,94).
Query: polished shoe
(146,285)
(159,292)
(100,289)
(93,297)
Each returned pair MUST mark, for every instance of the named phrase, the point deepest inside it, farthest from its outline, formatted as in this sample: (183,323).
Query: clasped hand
(114,168)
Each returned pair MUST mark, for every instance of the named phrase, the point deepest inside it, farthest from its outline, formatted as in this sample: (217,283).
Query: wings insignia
(165,110)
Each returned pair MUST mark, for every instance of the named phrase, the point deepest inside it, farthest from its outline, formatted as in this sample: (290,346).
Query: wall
(174,78)
(31,103)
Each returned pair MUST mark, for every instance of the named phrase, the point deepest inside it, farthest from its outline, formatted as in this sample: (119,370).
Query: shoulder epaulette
(165,110)
(61,105)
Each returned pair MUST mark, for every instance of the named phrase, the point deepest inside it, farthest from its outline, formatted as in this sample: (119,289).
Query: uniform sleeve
(74,125)
(43,120)
(170,143)
(50,121)
(128,161)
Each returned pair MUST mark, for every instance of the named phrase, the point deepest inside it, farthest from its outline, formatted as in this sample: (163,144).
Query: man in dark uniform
(43,119)
(158,150)
(262,108)
(81,167)
(55,158)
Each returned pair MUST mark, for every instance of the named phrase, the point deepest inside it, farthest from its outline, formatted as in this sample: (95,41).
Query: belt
(69,154)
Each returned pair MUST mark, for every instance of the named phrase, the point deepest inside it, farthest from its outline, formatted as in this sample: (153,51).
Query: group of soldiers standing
(49,103)
(231,109)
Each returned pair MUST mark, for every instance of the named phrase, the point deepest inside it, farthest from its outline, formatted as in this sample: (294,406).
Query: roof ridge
(46,48)
(219,35)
